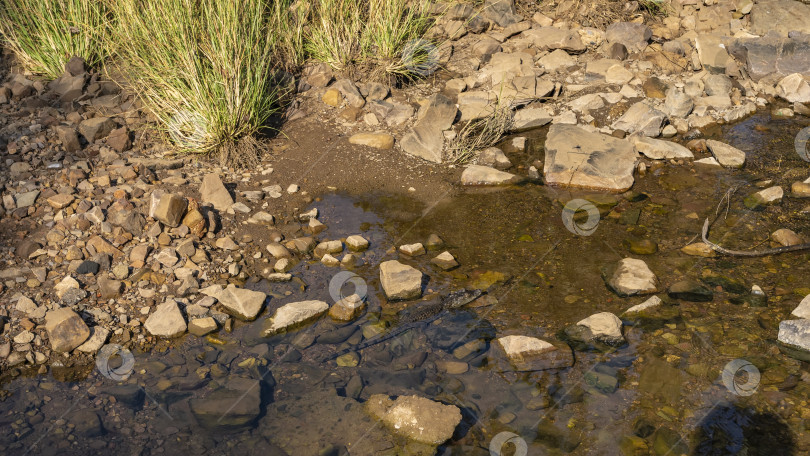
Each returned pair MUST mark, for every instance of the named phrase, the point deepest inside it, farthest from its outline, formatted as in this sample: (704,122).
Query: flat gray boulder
(780,16)
(773,55)
(579,158)
(235,406)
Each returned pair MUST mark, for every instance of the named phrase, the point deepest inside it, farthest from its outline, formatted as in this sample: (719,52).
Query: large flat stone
(657,149)
(780,16)
(773,55)
(579,158)
(213,191)
(641,118)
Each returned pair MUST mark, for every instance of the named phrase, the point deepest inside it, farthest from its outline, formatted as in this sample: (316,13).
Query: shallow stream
(662,393)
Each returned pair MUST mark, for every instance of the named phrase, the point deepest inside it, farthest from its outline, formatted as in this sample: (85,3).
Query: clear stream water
(662,393)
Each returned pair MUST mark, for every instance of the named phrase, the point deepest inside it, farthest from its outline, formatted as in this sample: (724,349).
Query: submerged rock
(416,418)
(485,175)
(233,407)
(690,290)
(532,354)
(762,198)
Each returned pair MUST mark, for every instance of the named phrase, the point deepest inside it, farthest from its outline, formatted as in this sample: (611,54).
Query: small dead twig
(479,134)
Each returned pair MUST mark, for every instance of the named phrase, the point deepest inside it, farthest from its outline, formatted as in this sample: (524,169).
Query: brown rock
(60,200)
(66,329)
(170,209)
(119,140)
(98,244)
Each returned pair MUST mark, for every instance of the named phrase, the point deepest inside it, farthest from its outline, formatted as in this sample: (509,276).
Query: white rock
(605,327)
(64,285)
(400,281)
(803,309)
(653,302)
(794,88)
(166,321)
(356,243)
(417,418)
(484,175)
(98,337)
(795,333)
(412,249)
(242,303)
(632,277)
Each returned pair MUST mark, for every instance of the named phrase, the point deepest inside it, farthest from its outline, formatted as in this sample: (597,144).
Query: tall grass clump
(45,34)
(334,32)
(288,20)
(393,37)
(383,34)
(204,68)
